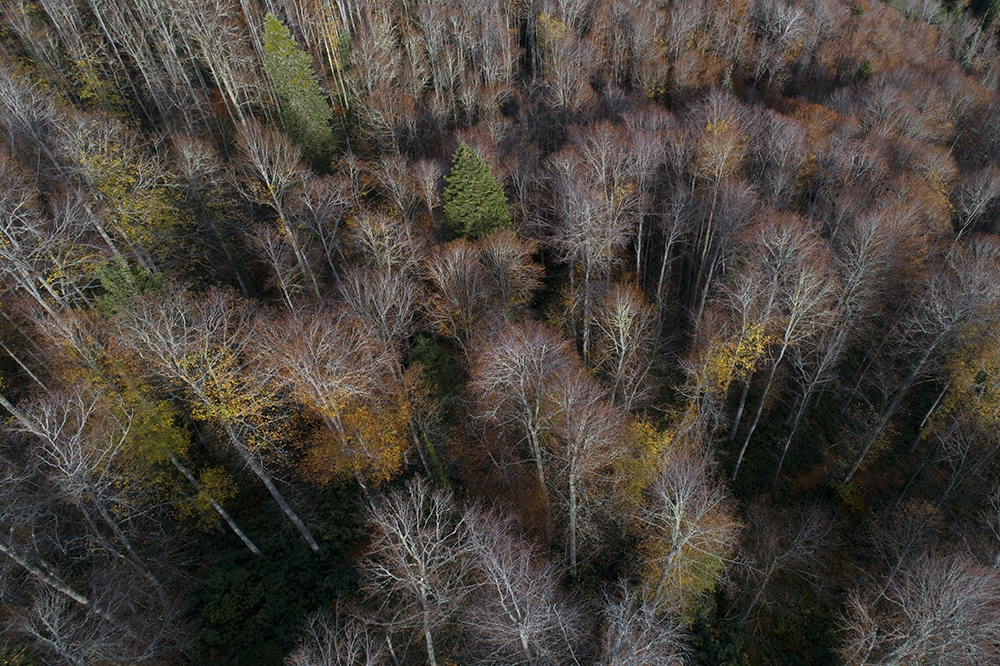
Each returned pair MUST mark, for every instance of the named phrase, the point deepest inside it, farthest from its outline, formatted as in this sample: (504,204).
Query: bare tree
(276,251)
(395,175)
(29,540)
(389,116)
(41,570)
(647,157)
(41,43)
(337,638)
(153,48)
(82,442)
(513,378)
(273,168)
(623,348)
(862,259)
(464,297)
(387,243)
(202,346)
(216,34)
(689,532)
(429,174)
(960,294)
(940,609)
(329,365)
(376,58)
(779,542)
(974,194)
(674,223)
(804,283)
(385,301)
(587,430)
(591,228)
(320,206)
(752,298)
(517,611)
(31,117)
(967,448)
(720,149)
(898,539)
(990,517)
(566,60)
(417,563)
(508,259)
(128,181)
(42,257)
(779,27)
(635,635)
(74,636)
(614,166)
(777,151)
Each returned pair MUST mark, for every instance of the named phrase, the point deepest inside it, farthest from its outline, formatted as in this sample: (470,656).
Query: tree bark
(760,409)
(739,409)
(269,484)
(215,505)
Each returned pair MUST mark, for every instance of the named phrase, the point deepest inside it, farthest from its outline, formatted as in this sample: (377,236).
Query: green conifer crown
(474,203)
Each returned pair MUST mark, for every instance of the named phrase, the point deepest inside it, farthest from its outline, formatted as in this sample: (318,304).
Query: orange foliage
(374,443)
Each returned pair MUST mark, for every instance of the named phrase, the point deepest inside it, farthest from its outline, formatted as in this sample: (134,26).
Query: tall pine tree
(474,203)
(305,113)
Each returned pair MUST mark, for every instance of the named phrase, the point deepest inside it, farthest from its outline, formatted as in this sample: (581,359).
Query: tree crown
(474,203)
(305,113)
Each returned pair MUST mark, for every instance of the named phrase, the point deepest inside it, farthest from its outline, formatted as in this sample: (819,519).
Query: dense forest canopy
(499,332)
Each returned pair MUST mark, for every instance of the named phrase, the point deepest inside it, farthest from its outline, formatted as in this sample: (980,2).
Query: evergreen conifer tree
(305,113)
(474,203)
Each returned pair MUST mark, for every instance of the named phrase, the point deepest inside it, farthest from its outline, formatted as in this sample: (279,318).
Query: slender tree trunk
(893,406)
(928,415)
(704,291)
(956,474)
(392,650)
(529,658)
(121,63)
(793,410)
(659,290)
(572,290)
(572,524)
(269,484)
(428,639)
(237,267)
(299,254)
(18,414)
(739,409)
(799,412)
(424,461)
(918,471)
(760,409)
(536,451)
(668,565)
(133,557)
(866,366)
(706,246)
(757,595)
(12,552)
(215,505)
(22,365)
(336,427)
(638,249)
(586,311)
